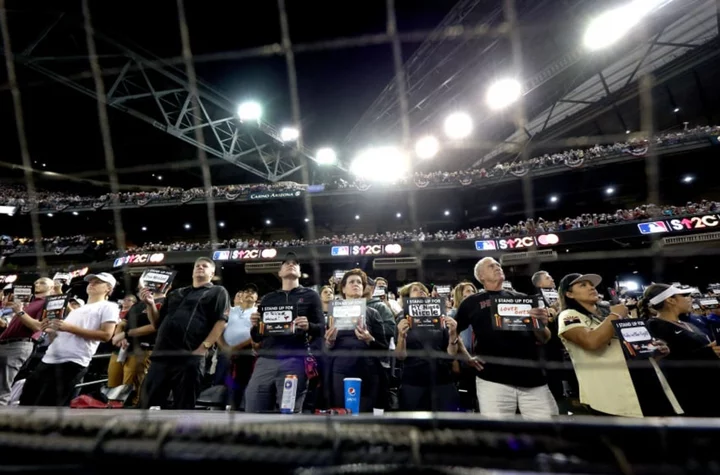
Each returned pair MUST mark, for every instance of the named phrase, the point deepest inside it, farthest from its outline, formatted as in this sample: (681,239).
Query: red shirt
(16,328)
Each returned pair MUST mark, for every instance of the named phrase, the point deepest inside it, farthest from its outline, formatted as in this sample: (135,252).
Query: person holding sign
(285,321)
(503,388)
(688,343)
(74,342)
(188,324)
(357,329)
(16,344)
(427,383)
(607,385)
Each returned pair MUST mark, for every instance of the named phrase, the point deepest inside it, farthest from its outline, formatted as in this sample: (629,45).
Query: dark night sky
(335,86)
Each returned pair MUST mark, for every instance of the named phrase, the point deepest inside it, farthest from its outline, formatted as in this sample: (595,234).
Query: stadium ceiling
(686,36)
(564,86)
(149,89)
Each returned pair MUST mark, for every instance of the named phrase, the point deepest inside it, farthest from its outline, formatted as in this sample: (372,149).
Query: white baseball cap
(104,276)
(79,301)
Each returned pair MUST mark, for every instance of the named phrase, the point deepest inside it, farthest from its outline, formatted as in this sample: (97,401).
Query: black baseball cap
(251,287)
(572,279)
(371,281)
(291,256)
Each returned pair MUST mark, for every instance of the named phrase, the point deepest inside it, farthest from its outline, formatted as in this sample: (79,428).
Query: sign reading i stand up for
(157,280)
(23,293)
(277,320)
(55,307)
(513,313)
(425,313)
(637,343)
(347,314)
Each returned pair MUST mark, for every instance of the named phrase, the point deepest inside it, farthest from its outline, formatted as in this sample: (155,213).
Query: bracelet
(616,314)
(455,342)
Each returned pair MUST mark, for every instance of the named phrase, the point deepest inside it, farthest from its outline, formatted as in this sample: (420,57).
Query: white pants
(500,400)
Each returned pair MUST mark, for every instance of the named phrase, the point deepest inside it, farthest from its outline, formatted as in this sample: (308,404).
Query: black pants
(52,384)
(234,373)
(182,376)
(442,397)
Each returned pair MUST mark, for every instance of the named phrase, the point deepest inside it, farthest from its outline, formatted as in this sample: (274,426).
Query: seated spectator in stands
(694,384)
(74,342)
(16,343)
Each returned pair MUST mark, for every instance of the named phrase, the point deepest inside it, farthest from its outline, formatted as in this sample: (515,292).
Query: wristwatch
(207,345)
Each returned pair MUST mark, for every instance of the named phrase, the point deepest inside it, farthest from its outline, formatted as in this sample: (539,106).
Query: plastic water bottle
(287,406)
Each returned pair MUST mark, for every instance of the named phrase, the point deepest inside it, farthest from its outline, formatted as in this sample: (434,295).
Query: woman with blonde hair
(427,382)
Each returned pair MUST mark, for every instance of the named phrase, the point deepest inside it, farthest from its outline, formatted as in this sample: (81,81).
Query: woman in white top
(74,342)
(607,385)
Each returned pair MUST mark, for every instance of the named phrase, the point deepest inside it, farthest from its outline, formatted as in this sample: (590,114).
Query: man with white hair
(502,389)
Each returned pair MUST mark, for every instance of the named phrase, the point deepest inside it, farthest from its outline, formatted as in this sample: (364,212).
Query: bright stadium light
(427,147)
(610,26)
(326,156)
(380,164)
(289,134)
(502,93)
(458,125)
(249,111)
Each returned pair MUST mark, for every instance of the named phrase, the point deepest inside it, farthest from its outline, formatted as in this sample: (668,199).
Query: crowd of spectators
(637,146)
(522,228)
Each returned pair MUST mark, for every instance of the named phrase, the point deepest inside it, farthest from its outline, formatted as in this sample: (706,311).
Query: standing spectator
(502,389)
(189,324)
(264,391)
(74,342)
(16,343)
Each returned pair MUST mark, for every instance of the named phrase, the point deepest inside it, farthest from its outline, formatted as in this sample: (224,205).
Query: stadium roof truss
(697,27)
(149,89)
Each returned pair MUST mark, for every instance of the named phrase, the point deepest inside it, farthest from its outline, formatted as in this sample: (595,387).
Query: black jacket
(308,306)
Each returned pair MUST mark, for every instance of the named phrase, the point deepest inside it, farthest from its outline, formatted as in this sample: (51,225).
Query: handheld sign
(550,296)
(347,314)
(157,280)
(637,343)
(513,314)
(64,277)
(23,293)
(425,313)
(277,320)
(443,290)
(380,291)
(55,307)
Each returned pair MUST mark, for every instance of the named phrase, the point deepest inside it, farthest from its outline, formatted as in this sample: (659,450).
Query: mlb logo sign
(221,255)
(340,250)
(653,227)
(485,246)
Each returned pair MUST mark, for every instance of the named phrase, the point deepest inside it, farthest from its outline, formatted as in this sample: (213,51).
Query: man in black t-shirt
(502,389)
(188,325)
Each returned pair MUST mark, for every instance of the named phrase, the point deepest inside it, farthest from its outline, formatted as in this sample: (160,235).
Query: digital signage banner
(366,250)
(244,254)
(661,227)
